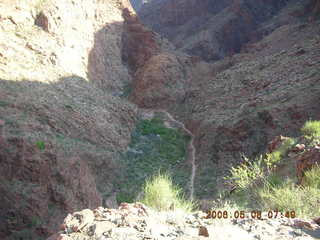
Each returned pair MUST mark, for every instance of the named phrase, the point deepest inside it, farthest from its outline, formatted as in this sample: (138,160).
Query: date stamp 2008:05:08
(254,214)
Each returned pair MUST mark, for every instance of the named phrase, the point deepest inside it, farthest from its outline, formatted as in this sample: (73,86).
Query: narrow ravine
(191,150)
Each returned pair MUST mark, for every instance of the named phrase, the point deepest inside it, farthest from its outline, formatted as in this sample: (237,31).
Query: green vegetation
(153,147)
(287,196)
(272,159)
(312,177)
(173,144)
(161,194)
(34,222)
(259,184)
(311,129)
(276,192)
(41,145)
(125,197)
(245,174)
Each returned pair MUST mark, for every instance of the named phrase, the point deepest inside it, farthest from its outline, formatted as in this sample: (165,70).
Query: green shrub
(311,129)
(286,145)
(288,197)
(256,187)
(312,178)
(41,145)
(272,159)
(274,180)
(275,157)
(124,197)
(161,194)
(153,147)
(246,173)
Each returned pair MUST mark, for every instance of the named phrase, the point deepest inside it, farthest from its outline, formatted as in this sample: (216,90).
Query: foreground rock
(136,221)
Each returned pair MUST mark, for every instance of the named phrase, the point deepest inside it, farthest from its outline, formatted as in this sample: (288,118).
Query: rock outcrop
(136,221)
(307,160)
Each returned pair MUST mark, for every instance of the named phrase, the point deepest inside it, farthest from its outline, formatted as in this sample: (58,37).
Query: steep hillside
(75,75)
(214,29)
(238,104)
(62,125)
(68,132)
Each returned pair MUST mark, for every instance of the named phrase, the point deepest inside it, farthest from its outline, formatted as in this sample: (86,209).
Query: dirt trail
(191,156)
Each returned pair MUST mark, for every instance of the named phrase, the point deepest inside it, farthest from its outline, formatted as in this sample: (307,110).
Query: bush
(247,173)
(257,187)
(274,180)
(311,128)
(161,194)
(288,197)
(312,178)
(153,147)
(41,145)
(272,159)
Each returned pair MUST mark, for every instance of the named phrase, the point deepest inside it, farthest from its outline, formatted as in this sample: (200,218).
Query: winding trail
(191,156)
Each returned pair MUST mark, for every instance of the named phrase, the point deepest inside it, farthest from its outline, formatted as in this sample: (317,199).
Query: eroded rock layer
(214,29)
(62,122)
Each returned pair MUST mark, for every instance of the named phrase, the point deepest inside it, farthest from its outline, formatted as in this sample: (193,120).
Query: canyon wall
(265,84)
(212,29)
(63,124)
(73,74)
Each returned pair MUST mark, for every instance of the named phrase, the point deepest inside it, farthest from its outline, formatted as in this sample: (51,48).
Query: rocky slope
(67,68)
(61,71)
(214,29)
(136,221)
(238,104)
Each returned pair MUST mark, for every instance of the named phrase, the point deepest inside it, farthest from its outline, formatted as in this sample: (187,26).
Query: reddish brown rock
(305,224)
(203,231)
(317,220)
(66,47)
(139,43)
(298,148)
(42,21)
(158,84)
(275,143)
(228,25)
(137,208)
(306,161)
